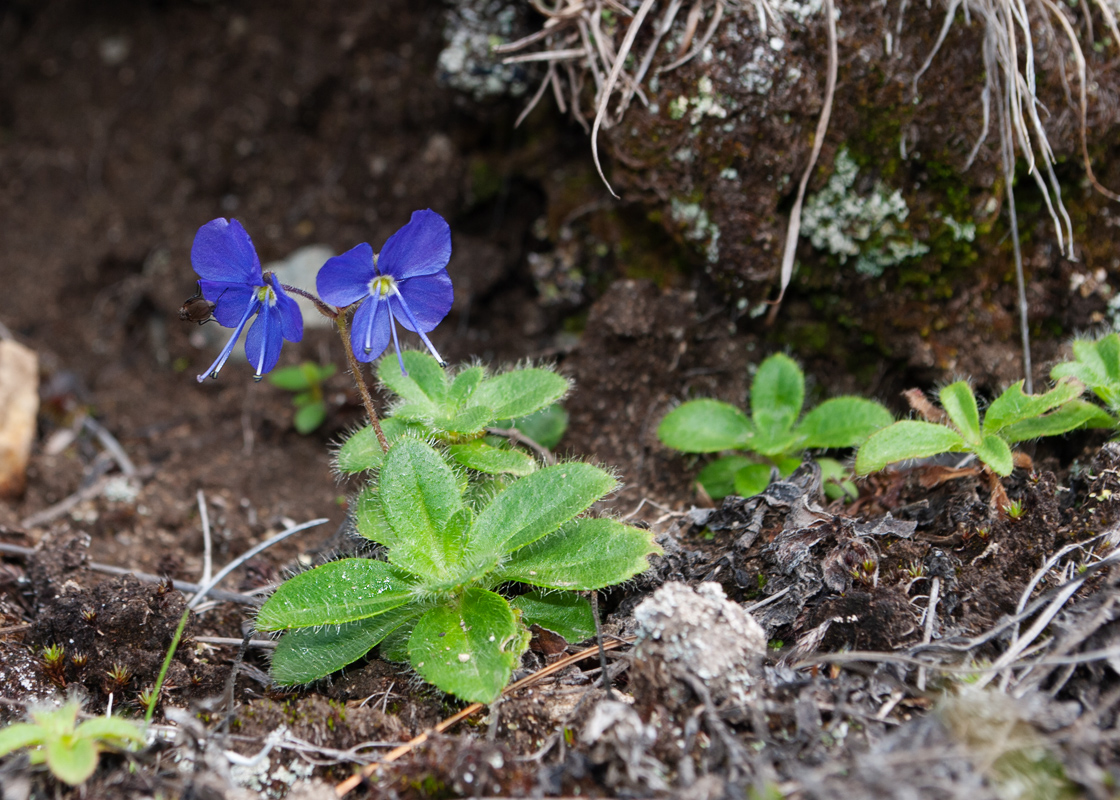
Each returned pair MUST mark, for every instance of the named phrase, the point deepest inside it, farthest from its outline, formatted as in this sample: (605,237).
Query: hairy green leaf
(466,422)
(752,479)
(835,480)
(960,404)
(464,385)
(565,613)
(424,388)
(307,654)
(994,452)
(777,394)
(72,761)
(362,451)
(718,478)
(584,554)
(468,648)
(842,422)
(906,439)
(1014,406)
(336,592)
(536,505)
(19,735)
(774,442)
(520,392)
(705,426)
(1096,364)
(480,456)
(1071,416)
(116,730)
(419,495)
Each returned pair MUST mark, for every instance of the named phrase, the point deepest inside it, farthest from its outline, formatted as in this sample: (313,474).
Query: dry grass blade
(717,16)
(612,79)
(794,229)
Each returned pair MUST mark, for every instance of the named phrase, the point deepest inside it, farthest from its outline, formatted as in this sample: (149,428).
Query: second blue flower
(407,282)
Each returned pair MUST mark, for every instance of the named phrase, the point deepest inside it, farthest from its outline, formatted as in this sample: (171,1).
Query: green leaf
(842,422)
(538,504)
(718,478)
(775,442)
(419,495)
(464,385)
(960,404)
(290,379)
(307,654)
(835,480)
(1097,365)
(1014,406)
(394,647)
(752,479)
(310,417)
(904,440)
(425,386)
(565,613)
(1071,416)
(470,420)
(341,591)
(546,427)
(72,761)
(469,648)
(19,735)
(994,452)
(705,426)
(481,457)
(777,394)
(584,554)
(362,451)
(111,729)
(520,392)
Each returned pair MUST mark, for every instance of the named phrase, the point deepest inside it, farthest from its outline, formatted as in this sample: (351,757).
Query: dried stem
(343,322)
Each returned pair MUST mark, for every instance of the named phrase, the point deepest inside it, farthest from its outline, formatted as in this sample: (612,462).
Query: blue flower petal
(421,247)
(429,299)
(263,341)
(223,251)
(291,319)
(345,279)
(369,329)
(230,300)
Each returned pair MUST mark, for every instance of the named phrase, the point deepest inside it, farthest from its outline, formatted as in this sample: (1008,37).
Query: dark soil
(125,126)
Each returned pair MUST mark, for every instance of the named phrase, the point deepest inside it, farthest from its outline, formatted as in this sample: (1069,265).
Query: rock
(699,636)
(19,407)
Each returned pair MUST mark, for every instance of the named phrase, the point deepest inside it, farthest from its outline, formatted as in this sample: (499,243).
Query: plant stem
(166,664)
(343,323)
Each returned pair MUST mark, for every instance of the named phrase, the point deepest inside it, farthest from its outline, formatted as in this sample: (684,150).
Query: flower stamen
(220,362)
(416,326)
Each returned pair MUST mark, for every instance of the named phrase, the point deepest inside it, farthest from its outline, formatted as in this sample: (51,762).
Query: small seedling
(772,434)
(1015,509)
(1097,365)
(54,664)
(306,381)
(119,676)
(69,750)
(1011,418)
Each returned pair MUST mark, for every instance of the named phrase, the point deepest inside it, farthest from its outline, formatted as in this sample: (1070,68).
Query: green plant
(1011,418)
(1097,365)
(1015,509)
(772,435)
(68,749)
(461,517)
(306,380)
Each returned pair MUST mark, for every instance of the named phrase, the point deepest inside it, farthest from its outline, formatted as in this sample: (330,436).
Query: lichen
(697,227)
(704,104)
(868,227)
(472,29)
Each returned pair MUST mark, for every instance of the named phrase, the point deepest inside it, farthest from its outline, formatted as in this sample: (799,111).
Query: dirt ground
(125,126)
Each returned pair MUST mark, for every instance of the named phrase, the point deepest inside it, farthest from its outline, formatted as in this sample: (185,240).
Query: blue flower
(407,282)
(224,257)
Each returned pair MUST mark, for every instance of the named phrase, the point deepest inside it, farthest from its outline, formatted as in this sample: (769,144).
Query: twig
(111,445)
(63,506)
(252,551)
(268,644)
(204,515)
(517,437)
(794,229)
(927,633)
